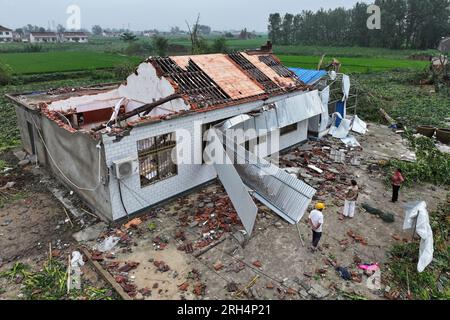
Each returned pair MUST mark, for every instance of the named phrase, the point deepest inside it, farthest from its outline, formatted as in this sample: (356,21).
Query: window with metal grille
(155,159)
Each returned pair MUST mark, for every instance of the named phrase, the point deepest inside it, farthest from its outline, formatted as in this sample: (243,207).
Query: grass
(401,97)
(433,282)
(355,65)
(60,61)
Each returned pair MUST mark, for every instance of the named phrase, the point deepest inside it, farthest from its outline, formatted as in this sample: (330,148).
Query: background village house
(6,35)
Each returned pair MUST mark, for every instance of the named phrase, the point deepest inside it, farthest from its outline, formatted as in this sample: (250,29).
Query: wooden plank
(106,276)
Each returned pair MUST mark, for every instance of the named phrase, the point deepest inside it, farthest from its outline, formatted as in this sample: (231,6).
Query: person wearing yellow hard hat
(316,222)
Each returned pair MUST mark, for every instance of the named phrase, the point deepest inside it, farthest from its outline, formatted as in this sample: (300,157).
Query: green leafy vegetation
(431,165)
(403,99)
(433,282)
(50,283)
(5,74)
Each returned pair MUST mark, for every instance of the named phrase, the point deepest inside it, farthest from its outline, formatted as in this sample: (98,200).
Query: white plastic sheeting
(350,141)
(324,118)
(417,216)
(345,87)
(74,281)
(299,108)
(343,129)
(358,125)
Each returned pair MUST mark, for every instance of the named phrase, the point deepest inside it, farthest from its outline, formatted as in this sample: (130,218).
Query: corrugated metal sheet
(309,76)
(287,194)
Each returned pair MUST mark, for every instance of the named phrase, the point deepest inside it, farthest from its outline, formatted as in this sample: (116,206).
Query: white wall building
(79,37)
(43,37)
(6,35)
(141,123)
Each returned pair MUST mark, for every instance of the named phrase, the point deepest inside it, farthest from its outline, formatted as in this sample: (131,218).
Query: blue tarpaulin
(309,76)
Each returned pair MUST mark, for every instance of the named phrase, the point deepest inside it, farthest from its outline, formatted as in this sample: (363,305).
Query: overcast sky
(161,14)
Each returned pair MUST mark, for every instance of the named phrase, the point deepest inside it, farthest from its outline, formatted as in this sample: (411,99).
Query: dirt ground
(220,266)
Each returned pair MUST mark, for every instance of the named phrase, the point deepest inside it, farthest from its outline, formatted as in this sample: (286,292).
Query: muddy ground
(275,258)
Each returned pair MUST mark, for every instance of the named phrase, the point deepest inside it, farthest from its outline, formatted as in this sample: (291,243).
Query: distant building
(110,34)
(42,37)
(17,37)
(444,46)
(81,37)
(6,35)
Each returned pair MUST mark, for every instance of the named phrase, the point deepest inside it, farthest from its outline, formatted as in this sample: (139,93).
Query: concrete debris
(90,233)
(318,292)
(8,185)
(23,163)
(20,155)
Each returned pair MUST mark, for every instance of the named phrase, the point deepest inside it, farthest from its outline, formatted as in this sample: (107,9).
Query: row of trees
(416,24)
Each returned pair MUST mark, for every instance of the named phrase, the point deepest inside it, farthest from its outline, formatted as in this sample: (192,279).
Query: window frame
(289,129)
(152,152)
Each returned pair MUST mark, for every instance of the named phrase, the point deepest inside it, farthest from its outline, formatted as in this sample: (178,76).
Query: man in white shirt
(316,222)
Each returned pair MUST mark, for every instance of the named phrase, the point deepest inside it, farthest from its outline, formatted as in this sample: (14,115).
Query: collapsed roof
(163,87)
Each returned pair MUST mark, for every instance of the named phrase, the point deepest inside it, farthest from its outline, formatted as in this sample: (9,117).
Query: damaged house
(113,144)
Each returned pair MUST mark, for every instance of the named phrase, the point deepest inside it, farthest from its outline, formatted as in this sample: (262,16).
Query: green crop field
(61,61)
(359,65)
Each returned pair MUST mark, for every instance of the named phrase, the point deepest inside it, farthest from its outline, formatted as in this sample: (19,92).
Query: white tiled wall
(189,176)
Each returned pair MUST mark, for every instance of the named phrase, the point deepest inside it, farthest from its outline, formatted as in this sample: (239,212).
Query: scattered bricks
(97,256)
(161,266)
(188,248)
(291,291)
(194,274)
(269,285)
(392,295)
(199,289)
(110,256)
(155,285)
(179,235)
(146,292)
(344,242)
(133,223)
(357,260)
(218,266)
(257,263)
(129,288)
(356,277)
(396,237)
(321,271)
(112,265)
(128,267)
(232,287)
(183,287)
(120,279)
(56,253)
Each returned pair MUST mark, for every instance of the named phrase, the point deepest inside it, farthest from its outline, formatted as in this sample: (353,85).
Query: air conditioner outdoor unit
(125,168)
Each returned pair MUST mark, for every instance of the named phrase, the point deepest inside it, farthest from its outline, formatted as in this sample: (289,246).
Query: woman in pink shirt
(397,180)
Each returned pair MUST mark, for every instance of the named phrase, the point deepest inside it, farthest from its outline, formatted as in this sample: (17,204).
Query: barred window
(155,158)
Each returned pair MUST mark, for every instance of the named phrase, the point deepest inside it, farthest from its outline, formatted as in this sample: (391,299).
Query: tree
(204,30)
(287,29)
(97,30)
(275,28)
(128,37)
(199,45)
(229,35)
(220,45)
(161,45)
(60,28)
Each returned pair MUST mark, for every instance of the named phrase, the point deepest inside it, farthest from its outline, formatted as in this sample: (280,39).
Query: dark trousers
(395,190)
(316,238)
